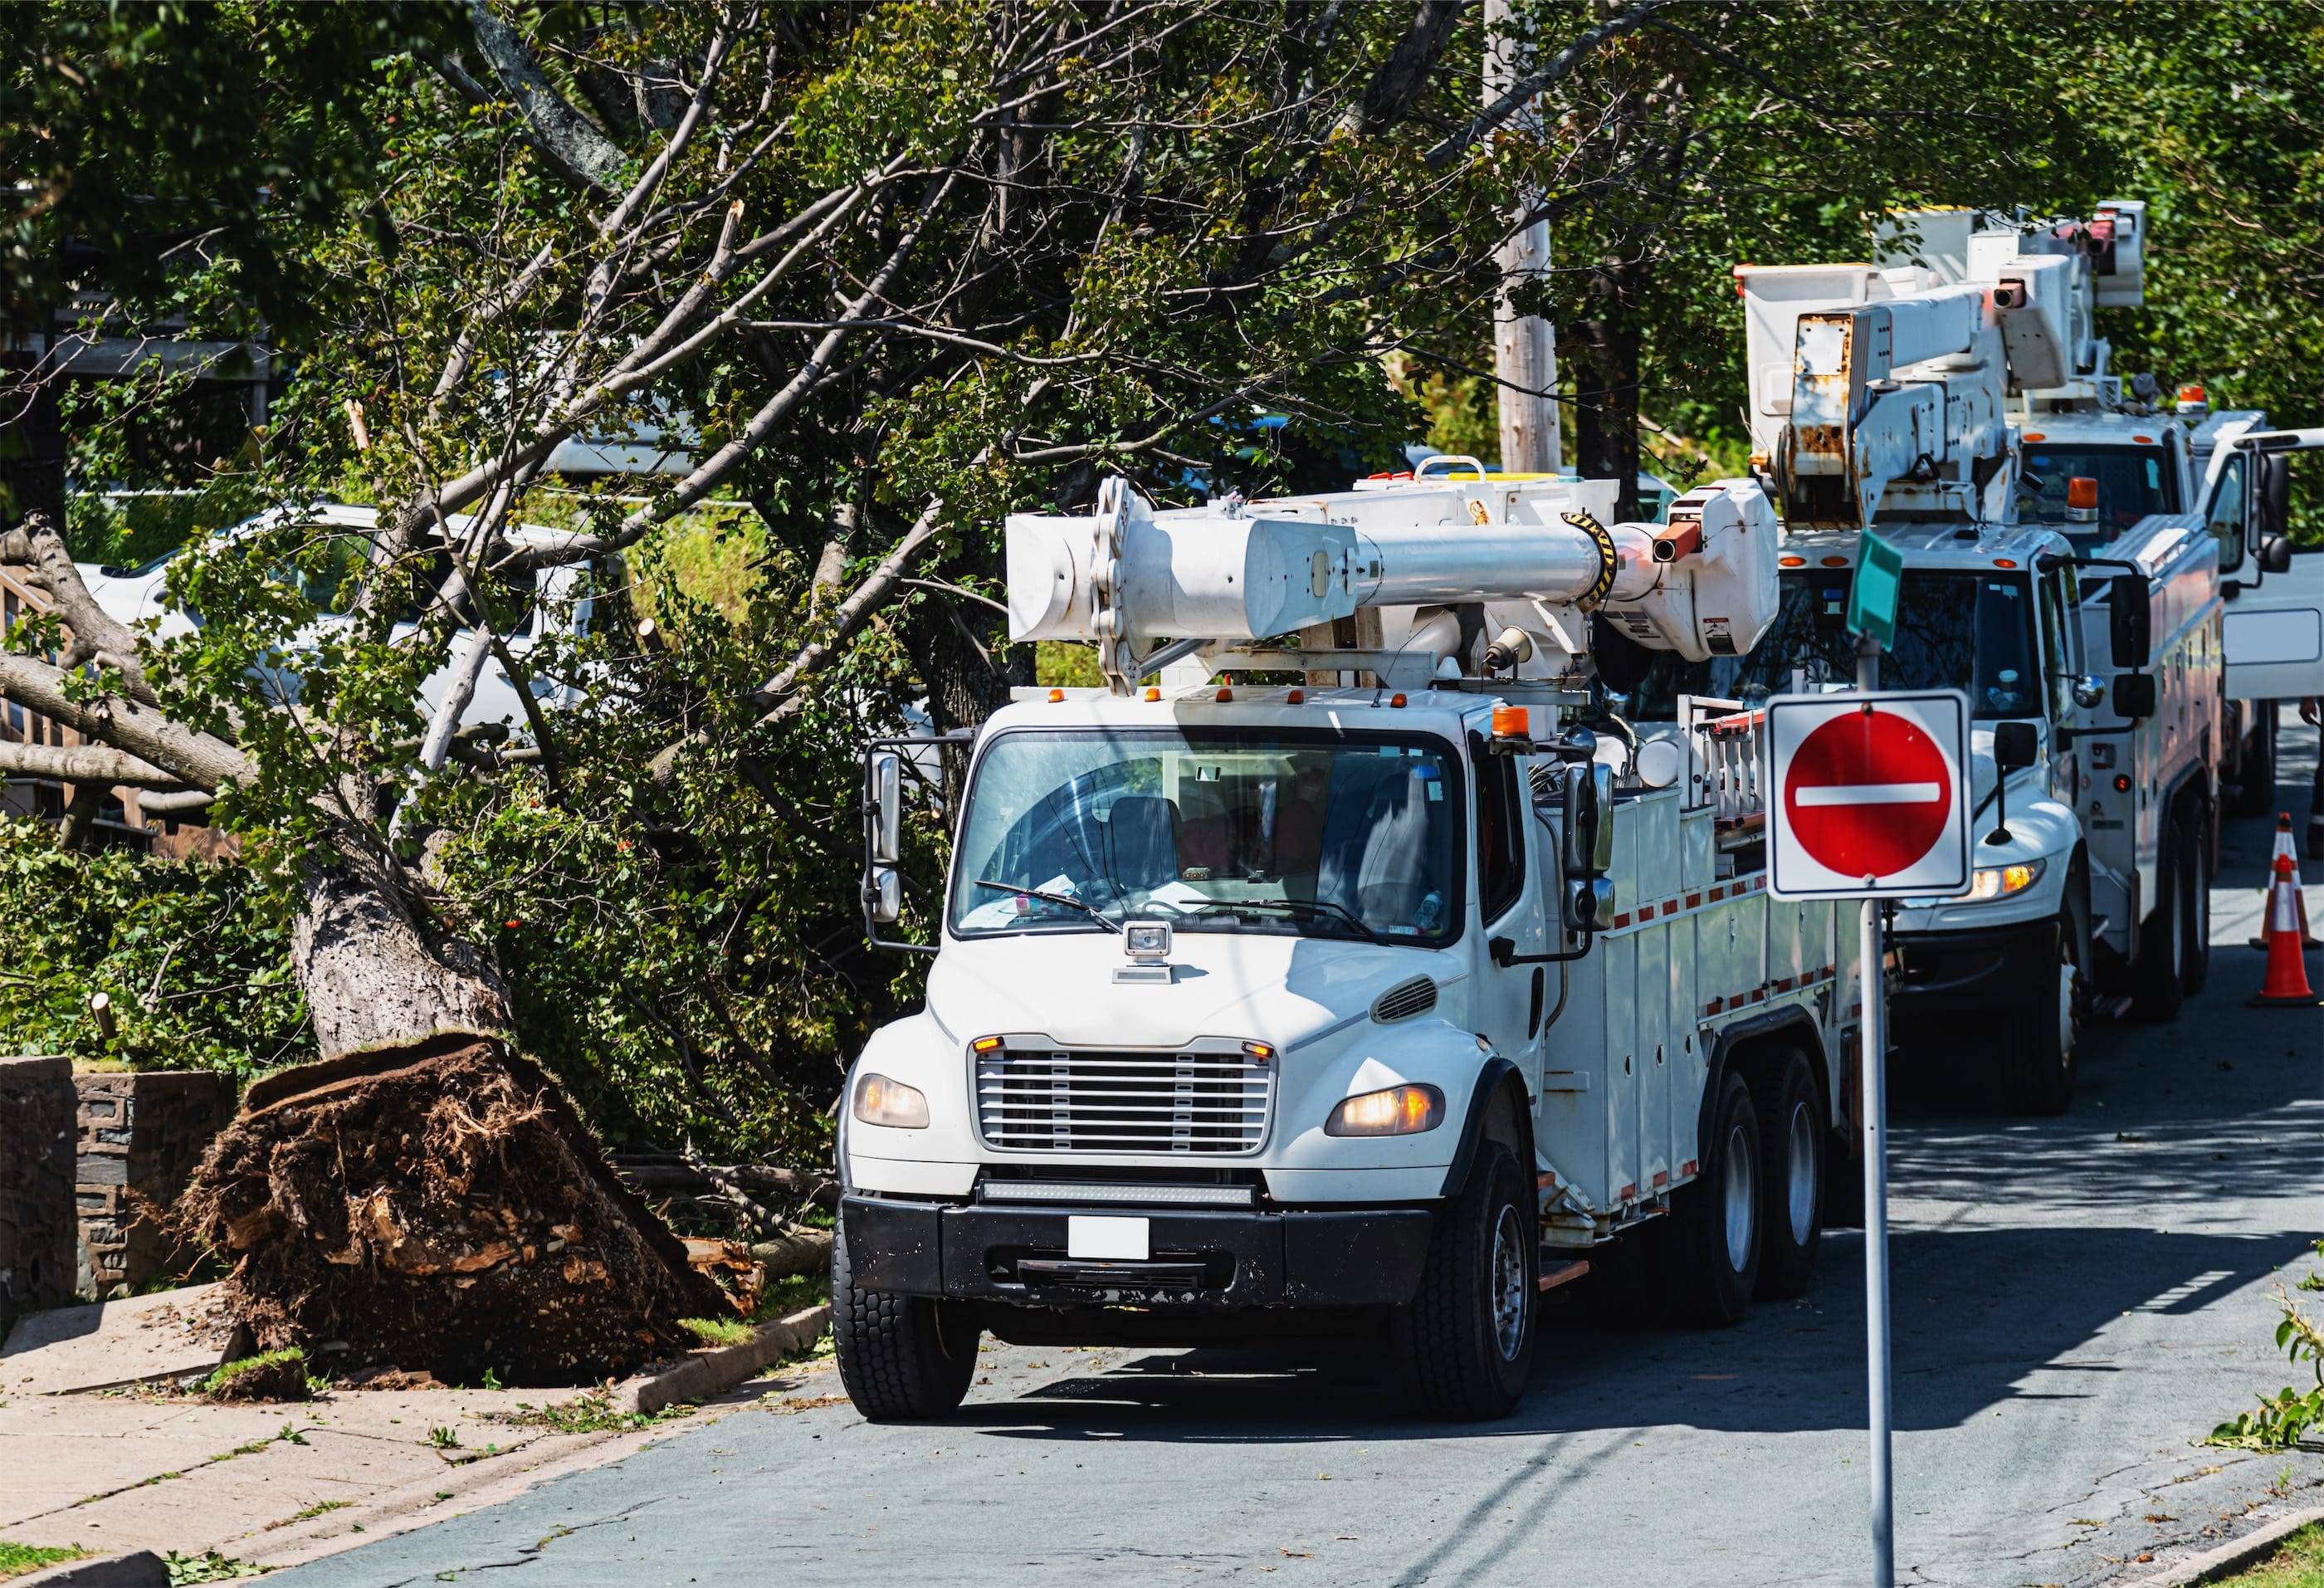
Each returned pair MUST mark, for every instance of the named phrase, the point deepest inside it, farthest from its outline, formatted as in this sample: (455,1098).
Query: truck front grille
(1208,1098)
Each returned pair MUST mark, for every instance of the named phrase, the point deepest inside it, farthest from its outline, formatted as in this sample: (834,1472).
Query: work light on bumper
(880,1101)
(1397,1110)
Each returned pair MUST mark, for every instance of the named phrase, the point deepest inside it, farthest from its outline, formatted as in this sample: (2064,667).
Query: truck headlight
(880,1101)
(1398,1111)
(2001,880)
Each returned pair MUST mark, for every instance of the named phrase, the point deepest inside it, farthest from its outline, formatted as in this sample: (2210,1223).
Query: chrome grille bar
(1207,1099)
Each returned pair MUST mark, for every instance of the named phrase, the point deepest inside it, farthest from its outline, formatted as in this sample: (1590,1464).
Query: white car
(557,596)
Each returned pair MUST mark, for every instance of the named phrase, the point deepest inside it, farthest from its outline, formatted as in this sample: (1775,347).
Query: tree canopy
(883,273)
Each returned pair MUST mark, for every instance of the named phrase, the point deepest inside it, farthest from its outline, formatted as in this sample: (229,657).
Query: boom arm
(1128,575)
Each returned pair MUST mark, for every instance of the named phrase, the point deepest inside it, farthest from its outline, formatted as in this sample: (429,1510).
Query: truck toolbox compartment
(1306,1257)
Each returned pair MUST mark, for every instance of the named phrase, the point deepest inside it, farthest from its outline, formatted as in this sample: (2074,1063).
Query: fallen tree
(437,1206)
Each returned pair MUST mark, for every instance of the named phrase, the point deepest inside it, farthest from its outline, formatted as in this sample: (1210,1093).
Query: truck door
(2274,630)
(2061,666)
(1509,1004)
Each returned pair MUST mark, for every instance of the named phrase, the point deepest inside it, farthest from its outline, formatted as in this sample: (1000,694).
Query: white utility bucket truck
(1878,402)
(2100,461)
(1347,991)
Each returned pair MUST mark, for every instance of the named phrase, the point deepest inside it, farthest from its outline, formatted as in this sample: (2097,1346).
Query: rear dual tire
(1711,1250)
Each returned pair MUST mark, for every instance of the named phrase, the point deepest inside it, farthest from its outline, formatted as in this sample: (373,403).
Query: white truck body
(1255,1006)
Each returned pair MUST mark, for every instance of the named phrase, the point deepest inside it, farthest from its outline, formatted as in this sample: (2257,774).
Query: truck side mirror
(2275,555)
(2015,746)
(2134,696)
(1588,904)
(1589,820)
(2275,503)
(2130,620)
(883,894)
(885,791)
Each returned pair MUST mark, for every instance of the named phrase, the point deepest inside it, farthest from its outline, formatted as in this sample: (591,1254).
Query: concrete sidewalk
(277,1483)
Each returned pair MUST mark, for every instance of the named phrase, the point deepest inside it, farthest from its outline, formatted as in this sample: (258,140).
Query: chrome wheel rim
(1742,1199)
(1508,1282)
(1800,1174)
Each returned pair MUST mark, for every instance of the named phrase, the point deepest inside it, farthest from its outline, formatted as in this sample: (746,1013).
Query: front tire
(902,1359)
(1712,1258)
(1464,1341)
(2160,974)
(2044,1056)
(2195,904)
(1793,1128)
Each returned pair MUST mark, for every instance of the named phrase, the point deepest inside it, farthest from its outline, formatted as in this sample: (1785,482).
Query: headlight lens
(880,1101)
(2001,880)
(1398,1111)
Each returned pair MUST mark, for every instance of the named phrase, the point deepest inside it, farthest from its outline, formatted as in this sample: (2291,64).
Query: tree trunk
(1606,383)
(375,976)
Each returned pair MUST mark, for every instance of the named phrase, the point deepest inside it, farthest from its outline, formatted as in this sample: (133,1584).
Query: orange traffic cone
(2282,852)
(2287,975)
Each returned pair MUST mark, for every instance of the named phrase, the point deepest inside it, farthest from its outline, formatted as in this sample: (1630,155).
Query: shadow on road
(1978,1311)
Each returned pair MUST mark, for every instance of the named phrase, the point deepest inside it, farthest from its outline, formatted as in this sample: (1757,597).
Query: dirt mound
(439,1208)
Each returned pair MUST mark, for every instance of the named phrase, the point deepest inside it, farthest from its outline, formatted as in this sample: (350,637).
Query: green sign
(1872,597)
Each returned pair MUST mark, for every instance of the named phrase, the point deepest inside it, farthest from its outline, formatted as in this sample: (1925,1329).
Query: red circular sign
(1867,794)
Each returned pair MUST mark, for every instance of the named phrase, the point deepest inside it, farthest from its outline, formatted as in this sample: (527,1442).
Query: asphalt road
(2077,1299)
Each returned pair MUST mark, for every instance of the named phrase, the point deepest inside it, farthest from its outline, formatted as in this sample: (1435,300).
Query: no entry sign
(1868,795)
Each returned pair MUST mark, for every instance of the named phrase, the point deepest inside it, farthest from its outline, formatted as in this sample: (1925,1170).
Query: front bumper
(1948,972)
(1210,1260)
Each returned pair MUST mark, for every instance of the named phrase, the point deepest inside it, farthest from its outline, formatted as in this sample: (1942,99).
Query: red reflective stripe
(1622,920)
(1714,1006)
(1687,1168)
(1629,1192)
(1692,900)
(1661,1179)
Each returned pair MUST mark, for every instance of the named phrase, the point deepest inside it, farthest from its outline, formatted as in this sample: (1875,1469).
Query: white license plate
(1106,1238)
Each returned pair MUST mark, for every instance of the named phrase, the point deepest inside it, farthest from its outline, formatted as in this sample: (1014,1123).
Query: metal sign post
(1870,797)
(1873,1043)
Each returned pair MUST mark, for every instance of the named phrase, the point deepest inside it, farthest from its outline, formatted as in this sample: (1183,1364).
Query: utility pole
(1524,347)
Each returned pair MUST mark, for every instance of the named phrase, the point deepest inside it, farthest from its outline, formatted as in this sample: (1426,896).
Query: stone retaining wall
(36,1185)
(140,1136)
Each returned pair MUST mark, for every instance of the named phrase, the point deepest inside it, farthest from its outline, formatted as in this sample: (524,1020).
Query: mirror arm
(1505,954)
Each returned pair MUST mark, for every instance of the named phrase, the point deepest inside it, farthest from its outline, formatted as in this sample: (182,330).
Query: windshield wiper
(1091,910)
(1304,908)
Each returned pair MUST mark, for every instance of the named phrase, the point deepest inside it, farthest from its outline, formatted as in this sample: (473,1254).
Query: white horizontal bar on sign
(1869,794)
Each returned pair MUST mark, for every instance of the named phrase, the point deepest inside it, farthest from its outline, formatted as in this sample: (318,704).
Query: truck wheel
(1712,1259)
(2195,906)
(1464,1341)
(902,1359)
(2160,978)
(2256,773)
(1794,1126)
(2043,1053)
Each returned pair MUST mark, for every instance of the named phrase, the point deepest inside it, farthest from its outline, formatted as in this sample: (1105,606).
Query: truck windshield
(1312,833)
(2133,482)
(1954,630)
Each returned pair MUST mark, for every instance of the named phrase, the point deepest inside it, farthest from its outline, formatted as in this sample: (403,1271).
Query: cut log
(436,1206)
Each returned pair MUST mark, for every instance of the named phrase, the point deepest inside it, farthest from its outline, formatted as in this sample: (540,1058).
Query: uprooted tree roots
(439,1208)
